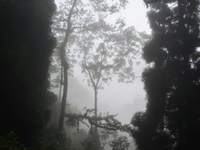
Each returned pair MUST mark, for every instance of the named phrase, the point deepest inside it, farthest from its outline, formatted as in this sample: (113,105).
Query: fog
(116,98)
(72,77)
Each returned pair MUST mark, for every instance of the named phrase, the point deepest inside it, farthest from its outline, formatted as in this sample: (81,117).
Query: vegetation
(112,56)
(171,81)
(73,21)
(26,46)
(120,143)
(10,142)
(82,31)
(33,117)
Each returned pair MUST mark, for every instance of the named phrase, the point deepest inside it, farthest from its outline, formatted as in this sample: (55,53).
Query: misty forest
(61,60)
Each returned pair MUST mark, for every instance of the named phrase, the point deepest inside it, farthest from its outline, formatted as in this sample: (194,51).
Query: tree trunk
(64,98)
(60,89)
(96,135)
(95,103)
(65,67)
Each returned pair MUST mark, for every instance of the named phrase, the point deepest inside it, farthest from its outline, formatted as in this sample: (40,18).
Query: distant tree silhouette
(171,119)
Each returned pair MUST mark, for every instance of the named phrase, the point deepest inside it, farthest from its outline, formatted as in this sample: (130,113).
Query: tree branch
(151,1)
(101,68)
(105,122)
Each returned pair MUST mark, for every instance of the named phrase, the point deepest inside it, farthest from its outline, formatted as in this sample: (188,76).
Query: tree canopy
(171,81)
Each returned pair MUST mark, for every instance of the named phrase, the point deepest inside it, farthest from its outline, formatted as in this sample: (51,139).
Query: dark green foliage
(171,120)
(25,50)
(49,137)
(11,142)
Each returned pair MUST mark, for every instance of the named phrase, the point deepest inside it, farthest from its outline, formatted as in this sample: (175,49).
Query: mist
(99,74)
(120,99)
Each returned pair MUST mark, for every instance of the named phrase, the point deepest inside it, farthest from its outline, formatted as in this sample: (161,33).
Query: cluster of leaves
(120,143)
(105,136)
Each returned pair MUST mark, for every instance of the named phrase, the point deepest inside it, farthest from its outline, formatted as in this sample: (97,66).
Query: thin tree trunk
(64,98)
(65,67)
(61,83)
(96,135)
(95,103)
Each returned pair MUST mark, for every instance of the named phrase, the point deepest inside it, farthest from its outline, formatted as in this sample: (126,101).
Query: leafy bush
(11,142)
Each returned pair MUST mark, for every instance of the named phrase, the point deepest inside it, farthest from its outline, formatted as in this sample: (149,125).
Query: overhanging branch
(107,122)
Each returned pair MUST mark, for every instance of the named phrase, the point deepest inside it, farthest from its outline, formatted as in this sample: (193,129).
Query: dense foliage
(10,142)
(120,143)
(171,120)
(25,50)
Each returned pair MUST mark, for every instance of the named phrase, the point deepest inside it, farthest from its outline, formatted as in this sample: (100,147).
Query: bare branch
(59,29)
(77,28)
(60,20)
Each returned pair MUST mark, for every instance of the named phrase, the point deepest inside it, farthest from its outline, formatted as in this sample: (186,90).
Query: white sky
(135,15)
(119,94)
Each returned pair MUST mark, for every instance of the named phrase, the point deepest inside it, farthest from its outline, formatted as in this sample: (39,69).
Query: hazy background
(122,98)
(116,98)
